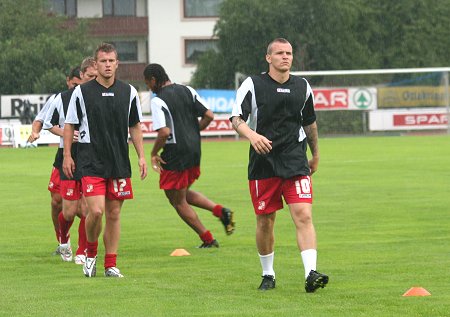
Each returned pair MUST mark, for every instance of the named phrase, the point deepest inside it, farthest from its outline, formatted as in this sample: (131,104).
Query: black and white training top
(104,115)
(41,118)
(178,107)
(56,116)
(43,112)
(278,112)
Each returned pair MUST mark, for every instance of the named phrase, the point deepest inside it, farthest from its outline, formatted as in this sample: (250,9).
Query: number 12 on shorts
(119,184)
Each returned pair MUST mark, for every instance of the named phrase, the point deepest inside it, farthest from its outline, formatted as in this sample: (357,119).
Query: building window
(201,8)
(119,7)
(127,51)
(195,48)
(64,7)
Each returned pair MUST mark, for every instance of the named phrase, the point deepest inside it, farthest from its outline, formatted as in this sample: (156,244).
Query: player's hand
(68,166)
(260,143)
(156,163)
(143,168)
(313,164)
(76,135)
(33,137)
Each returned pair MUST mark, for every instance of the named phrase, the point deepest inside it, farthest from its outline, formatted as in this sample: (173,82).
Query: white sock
(309,258)
(267,264)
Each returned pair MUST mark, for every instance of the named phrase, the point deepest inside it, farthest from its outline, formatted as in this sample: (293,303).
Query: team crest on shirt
(262,205)
(284,90)
(89,188)
(50,185)
(107,94)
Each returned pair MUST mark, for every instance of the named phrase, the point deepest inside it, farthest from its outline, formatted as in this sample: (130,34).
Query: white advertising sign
(413,119)
(12,106)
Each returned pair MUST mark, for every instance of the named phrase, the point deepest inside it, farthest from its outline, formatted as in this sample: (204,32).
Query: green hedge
(341,122)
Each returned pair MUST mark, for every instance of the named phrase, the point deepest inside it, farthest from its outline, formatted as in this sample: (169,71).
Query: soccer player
(105,110)
(73,203)
(280,110)
(175,112)
(72,80)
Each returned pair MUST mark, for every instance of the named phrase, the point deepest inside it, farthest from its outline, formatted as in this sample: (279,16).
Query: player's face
(106,64)
(280,57)
(89,74)
(73,82)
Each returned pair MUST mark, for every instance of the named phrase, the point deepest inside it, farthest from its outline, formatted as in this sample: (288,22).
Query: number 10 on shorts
(303,187)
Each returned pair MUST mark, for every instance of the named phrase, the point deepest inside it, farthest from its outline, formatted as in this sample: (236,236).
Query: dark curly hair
(156,71)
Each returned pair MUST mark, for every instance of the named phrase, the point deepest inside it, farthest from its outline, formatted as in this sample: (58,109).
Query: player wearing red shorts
(70,189)
(281,123)
(175,112)
(72,80)
(105,110)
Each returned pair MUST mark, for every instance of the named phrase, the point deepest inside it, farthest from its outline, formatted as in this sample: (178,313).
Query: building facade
(180,30)
(173,33)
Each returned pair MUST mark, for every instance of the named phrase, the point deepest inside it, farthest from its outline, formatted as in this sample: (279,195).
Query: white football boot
(65,251)
(113,272)
(90,267)
(80,259)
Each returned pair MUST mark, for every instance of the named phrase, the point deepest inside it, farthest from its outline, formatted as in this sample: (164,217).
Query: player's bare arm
(236,122)
(160,142)
(206,120)
(56,130)
(260,143)
(137,139)
(36,127)
(312,137)
(68,163)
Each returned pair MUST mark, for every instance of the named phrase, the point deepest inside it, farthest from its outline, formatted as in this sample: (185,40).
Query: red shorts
(178,179)
(71,189)
(111,188)
(54,183)
(267,193)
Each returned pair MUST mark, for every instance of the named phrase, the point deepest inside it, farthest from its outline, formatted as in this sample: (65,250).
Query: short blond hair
(86,63)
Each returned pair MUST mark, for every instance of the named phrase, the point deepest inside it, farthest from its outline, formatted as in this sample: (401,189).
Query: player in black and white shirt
(105,110)
(70,189)
(73,79)
(279,109)
(175,112)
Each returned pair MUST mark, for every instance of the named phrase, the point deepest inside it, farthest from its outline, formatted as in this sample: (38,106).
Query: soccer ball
(28,145)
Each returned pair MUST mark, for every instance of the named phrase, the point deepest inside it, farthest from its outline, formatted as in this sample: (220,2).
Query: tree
(327,35)
(37,49)
(320,32)
(411,33)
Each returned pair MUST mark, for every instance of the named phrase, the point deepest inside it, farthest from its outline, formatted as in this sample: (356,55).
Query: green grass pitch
(381,211)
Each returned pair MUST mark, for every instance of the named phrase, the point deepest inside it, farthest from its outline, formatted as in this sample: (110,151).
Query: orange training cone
(417,291)
(179,252)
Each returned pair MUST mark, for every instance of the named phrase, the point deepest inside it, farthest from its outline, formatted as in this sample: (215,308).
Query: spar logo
(362,99)
(422,119)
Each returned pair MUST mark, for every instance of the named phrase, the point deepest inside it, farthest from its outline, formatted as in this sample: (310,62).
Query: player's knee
(96,212)
(305,219)
(113,214)
(56,205)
